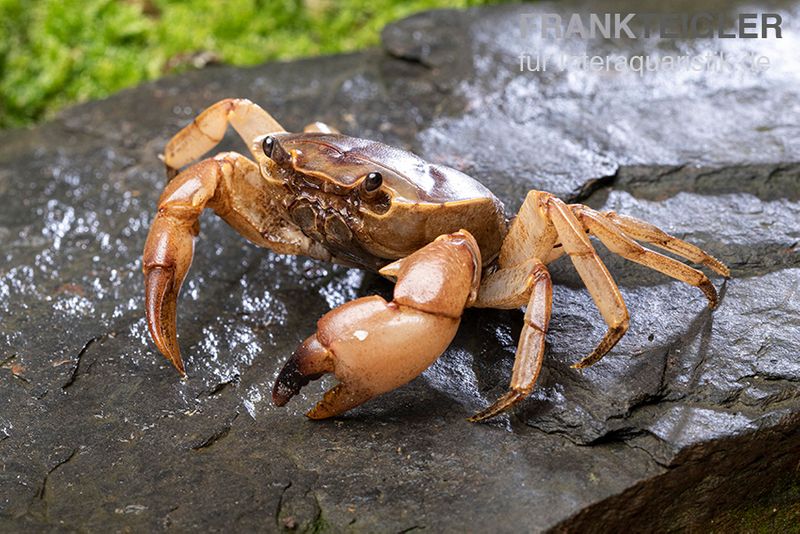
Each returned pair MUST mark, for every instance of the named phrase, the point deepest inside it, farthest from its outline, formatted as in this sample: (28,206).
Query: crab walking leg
(619,243)
(644,231)
(207,130)
(530,349)
(523,279)
(320,127)
(531,235)
(507,288)
(531,239)
(222,183)
(374,346)
(594,274)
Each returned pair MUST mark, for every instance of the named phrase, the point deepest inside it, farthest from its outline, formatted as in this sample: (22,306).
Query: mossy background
(58,52)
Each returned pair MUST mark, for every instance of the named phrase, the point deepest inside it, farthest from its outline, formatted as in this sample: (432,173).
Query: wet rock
(693,416)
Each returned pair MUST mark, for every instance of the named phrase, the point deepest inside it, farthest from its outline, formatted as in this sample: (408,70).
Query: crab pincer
(169,249)
(373,346)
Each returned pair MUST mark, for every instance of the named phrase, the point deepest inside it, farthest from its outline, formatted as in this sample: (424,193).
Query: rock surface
(693,416)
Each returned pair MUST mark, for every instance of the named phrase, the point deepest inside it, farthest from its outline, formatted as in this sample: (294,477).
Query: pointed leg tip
(717,266)
(721,269)
(168,347)
(500,406)
(483,415)
(177,362)
(585,362)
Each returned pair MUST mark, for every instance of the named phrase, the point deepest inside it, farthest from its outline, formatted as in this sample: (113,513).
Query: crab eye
(372,182)
(268,144)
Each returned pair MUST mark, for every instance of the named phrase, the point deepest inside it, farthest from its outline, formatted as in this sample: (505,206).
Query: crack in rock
(41,496)
(220,434)
(76,368)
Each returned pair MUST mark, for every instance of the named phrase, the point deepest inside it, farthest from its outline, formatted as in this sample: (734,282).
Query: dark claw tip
(289,382)
(309,362)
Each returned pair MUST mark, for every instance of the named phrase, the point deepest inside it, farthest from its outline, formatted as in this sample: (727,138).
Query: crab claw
(160,300)
(168,253)
(373,346)
(310,361)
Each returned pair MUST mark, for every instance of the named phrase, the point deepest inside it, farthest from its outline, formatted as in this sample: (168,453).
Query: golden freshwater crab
(442,236)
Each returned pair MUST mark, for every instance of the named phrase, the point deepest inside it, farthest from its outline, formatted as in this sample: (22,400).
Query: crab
(440,235)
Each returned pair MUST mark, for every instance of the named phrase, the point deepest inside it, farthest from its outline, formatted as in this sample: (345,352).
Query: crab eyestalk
(373,346)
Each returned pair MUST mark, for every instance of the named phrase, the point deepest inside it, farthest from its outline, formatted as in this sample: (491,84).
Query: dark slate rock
(693,415)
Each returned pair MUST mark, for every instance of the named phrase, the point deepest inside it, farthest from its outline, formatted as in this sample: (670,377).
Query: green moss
(778,511)
(57,52)
(319,526)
